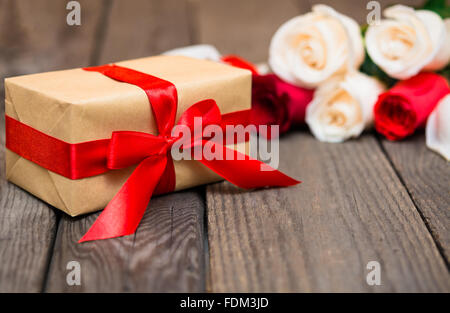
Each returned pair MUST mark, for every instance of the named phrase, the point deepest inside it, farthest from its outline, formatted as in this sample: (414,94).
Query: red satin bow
(155,170)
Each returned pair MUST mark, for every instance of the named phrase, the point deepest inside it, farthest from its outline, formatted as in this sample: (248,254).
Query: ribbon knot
(155,171)
(170,141)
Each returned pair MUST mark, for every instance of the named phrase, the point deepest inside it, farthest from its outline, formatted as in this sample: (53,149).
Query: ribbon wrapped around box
(84,139)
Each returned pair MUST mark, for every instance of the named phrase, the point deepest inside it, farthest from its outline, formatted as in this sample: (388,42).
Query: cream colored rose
(342,107)
(409,41)
(438,128)
(203,52)
(310,48)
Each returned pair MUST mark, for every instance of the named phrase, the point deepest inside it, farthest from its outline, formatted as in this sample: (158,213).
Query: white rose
(310,48)
(204,52)
(209,52)
(438,128)
(342,107)
(409,41)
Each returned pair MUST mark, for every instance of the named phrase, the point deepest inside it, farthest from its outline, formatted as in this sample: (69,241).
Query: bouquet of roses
(341,79)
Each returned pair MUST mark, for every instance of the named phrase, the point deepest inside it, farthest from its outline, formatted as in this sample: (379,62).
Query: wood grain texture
(242,27)
(351,209)
(319,236)
(165,255)
(27,232)
(167,252)
(358,9)
(35,37)
(143,28)
(426,175)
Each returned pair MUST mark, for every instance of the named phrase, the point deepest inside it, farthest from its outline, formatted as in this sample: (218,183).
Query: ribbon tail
(167,182)
(244,171)
(124,212)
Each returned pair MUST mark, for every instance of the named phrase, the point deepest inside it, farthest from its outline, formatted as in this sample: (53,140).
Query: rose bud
(409,41)
(404,108)
(309,49)
(343,106)
(275,102)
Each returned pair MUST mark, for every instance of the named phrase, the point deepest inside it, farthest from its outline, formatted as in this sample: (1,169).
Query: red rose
(275,102)
(402,109)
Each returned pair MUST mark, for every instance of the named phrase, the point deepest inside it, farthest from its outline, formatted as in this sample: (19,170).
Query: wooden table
(364,200)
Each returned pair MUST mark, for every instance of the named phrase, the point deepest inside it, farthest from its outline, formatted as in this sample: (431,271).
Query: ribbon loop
(127,148)
(161,93)
(156,172)
(207,110)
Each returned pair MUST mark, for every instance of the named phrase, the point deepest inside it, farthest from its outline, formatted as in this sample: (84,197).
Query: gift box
(76,106)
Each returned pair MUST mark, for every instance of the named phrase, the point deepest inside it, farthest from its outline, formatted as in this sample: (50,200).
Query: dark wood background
(363,200)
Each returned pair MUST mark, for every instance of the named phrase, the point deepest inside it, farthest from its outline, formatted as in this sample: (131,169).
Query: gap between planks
(426,177)
(319,236)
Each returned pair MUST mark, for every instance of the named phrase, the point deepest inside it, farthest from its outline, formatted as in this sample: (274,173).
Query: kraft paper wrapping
(77,106)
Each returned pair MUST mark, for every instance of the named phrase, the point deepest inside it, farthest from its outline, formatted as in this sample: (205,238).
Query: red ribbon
(237,61)
(155,170)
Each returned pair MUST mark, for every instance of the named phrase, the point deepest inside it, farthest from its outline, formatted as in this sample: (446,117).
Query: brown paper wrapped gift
(77,106)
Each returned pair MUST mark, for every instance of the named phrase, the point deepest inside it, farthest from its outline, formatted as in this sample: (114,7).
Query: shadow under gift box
(77,106)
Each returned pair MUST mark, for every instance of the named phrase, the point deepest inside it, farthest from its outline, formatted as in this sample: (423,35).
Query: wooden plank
(167,252)
(143,28)
(27,232)
(35,37)
(242,27)
(358,9)
(320,235)
(32,43)
(426,175)
(246,27)
(165,255)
